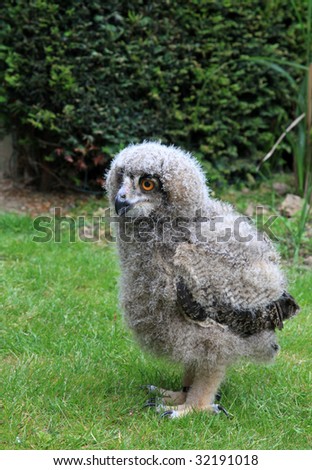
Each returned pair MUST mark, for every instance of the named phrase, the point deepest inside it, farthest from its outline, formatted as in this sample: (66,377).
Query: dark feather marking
(242,321)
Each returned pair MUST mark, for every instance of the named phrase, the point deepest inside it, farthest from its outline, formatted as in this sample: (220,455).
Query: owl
(199,285)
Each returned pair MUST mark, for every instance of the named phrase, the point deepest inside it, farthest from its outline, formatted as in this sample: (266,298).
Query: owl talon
(150,388)
(219,408)
(150,403)
(171,414)
(155,402)
(218,396)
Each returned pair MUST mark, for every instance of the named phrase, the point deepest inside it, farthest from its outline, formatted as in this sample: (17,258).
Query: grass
(72,373)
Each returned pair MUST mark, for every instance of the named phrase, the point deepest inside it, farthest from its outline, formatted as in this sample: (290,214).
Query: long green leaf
(268,61)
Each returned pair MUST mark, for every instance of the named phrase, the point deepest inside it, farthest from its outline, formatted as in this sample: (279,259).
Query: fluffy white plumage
(199,283)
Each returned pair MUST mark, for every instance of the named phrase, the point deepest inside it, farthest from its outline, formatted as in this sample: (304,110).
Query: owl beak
(122,204)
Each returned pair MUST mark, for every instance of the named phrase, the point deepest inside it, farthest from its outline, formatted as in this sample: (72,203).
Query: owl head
(151,178)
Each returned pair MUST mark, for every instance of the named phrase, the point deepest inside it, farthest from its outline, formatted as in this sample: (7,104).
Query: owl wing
(215,286)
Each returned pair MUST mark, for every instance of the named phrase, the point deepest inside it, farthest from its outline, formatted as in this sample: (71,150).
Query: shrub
(82,79)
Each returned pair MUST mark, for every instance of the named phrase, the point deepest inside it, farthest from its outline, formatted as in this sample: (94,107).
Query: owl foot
(155,399)
(165,397)
(154,402)
(183,410)
(169,396)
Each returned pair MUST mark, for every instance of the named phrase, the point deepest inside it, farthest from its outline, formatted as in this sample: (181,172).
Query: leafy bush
(82,79)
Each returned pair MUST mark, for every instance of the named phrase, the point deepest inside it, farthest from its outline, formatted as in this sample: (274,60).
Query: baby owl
(199,284)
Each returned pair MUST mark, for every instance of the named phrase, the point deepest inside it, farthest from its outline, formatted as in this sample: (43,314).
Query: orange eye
(147,184)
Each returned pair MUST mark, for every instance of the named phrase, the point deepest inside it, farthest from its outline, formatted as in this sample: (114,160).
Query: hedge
(81,79)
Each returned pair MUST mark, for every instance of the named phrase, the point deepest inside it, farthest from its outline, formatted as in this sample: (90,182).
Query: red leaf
(59,151)
(81,165)
(100,182)
(98,159)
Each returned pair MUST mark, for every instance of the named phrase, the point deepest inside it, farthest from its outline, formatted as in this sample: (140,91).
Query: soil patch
(18,198)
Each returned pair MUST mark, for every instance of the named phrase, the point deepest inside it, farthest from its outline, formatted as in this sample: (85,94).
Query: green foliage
(301,143)
(81,80)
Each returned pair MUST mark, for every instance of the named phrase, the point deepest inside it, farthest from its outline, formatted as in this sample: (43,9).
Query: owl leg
(201,394)
(171,397)
(161,396)
(179,397)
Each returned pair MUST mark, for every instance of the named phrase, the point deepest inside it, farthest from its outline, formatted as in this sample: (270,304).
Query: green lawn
(72,373)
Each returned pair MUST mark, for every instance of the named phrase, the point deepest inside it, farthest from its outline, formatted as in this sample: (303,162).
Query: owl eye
(147,184)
